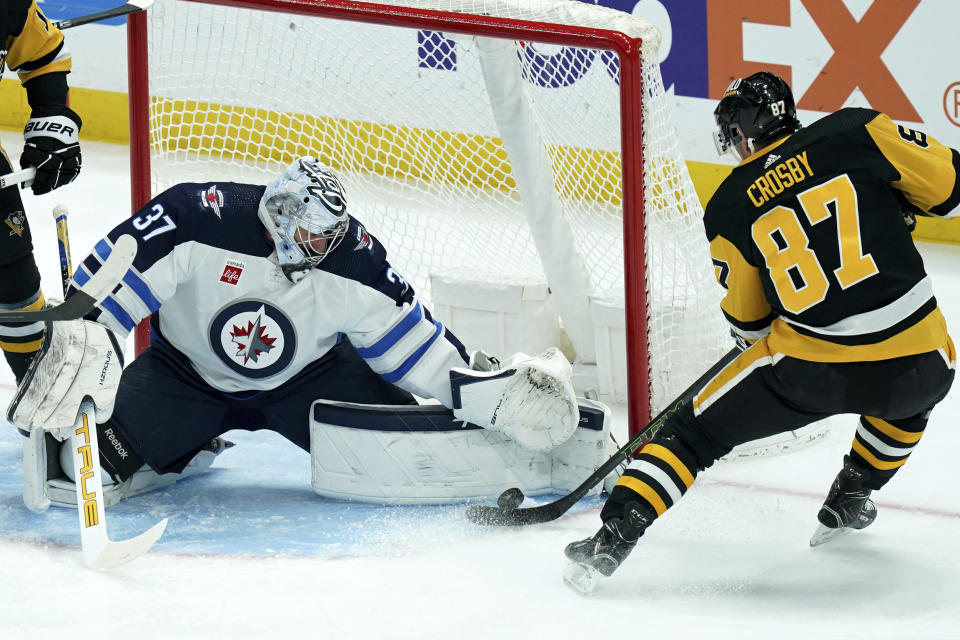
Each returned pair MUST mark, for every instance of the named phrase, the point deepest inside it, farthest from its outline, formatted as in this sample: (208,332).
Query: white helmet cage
(310,198)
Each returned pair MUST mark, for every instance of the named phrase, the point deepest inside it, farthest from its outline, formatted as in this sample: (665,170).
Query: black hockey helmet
(753,112)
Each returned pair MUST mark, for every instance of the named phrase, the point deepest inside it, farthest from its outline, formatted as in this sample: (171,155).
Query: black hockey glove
(51,144)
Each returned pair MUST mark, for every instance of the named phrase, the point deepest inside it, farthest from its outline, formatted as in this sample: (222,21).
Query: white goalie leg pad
(530,400)
(388,454)
(588,448)
(35,471)
(60,492)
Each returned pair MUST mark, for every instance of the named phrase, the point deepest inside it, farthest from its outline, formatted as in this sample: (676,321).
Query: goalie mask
(305,213)
(754,112)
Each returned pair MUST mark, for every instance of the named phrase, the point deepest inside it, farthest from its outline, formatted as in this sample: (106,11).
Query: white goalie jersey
(207,274)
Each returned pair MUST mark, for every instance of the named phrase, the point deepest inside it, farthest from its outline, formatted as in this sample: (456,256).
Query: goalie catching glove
(78,358)
(530,400)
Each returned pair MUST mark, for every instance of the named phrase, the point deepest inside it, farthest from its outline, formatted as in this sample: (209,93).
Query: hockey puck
(510,499)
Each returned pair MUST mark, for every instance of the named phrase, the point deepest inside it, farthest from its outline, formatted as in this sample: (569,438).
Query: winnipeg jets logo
(363,239)
(253,338)
(212,198)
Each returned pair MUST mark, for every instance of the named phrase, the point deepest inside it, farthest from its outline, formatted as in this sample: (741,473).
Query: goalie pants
(761,394)
(165,412)
(19,279)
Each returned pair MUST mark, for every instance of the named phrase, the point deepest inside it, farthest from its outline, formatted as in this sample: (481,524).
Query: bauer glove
(51,144)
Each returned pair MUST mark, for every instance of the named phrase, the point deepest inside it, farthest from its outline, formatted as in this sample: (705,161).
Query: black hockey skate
(605,551)
(848,506)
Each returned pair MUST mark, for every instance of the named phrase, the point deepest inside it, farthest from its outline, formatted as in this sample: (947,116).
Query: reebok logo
(115,442)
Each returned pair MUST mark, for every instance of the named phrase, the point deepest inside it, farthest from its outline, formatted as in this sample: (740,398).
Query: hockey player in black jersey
(828,295)
(32,47)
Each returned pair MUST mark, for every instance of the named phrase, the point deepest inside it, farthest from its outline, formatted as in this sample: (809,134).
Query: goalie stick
(94,290)
(99,551)
(506,516)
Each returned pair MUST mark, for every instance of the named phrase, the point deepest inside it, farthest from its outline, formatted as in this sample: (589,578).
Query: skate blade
(825,534)
(581,578)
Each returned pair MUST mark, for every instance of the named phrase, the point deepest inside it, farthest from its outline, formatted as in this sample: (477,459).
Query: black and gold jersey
(33,47)
(808,237)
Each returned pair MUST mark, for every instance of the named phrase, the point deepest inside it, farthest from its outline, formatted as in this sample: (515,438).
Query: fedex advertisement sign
(828,50)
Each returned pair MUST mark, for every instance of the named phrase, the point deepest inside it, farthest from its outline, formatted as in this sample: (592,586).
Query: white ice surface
(730,561)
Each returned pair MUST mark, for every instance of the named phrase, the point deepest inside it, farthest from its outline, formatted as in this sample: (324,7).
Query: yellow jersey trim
(661,452)
(646,492)
(875,462)
(929,334)
(906,437)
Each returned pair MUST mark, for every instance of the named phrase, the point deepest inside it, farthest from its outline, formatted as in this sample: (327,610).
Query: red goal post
(633,77)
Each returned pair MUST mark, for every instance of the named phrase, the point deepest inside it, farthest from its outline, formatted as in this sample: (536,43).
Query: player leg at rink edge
(783,394)
(865,337)
(361,341)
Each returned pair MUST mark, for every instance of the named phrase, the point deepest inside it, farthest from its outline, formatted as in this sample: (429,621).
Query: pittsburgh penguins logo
(253,338)
(16,221)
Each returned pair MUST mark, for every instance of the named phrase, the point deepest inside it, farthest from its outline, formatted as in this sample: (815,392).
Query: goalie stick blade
(98,287)
(114,553)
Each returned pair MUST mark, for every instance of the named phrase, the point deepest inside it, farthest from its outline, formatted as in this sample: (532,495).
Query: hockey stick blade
(497,516)
(131,6)
(98,287)
(113,553)
(99,551)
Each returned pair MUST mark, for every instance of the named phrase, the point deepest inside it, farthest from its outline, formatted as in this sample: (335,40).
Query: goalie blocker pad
(423,454)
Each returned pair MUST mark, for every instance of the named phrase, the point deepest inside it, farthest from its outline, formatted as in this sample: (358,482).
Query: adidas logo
(770,160)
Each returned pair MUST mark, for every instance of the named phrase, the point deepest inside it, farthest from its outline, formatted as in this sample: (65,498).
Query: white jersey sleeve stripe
(111,306)
(393,336)
(142,289)
(80,276)
(404,368)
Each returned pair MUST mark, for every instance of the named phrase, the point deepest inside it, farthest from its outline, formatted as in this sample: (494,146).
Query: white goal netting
(499,159)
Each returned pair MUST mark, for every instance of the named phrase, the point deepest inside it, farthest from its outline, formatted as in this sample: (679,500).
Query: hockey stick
(63,246)
(94,290)
(132,6)
(99,552)
(506,516)
(16,177)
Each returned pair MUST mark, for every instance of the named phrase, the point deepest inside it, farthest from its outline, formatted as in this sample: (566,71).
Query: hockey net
(510,141)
